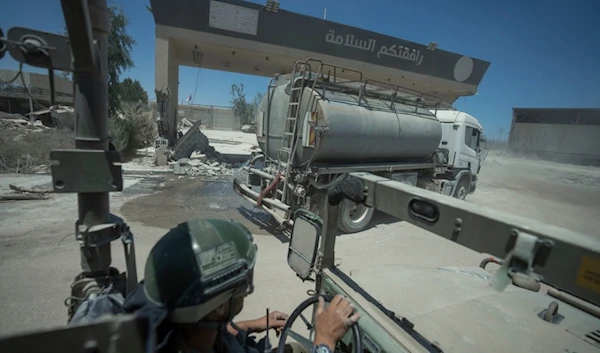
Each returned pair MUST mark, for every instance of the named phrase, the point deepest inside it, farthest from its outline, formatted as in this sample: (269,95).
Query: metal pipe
(255,158)
(51,82)
(261,173)
(487,260)
(574,301)
(329,214)
(252,196)
(91,107)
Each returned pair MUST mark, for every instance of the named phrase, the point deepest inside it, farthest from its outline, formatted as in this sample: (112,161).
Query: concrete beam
(167,87)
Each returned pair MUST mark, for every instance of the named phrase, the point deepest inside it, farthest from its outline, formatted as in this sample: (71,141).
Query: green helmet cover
(199,265)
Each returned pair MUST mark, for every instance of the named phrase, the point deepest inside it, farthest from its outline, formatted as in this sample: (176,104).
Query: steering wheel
(287,329)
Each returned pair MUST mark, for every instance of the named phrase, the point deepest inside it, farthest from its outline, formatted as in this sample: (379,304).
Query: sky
(542,53)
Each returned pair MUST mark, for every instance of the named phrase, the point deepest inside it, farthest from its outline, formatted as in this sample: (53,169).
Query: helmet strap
(214,325)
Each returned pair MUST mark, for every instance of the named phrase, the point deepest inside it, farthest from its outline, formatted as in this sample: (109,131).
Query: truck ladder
(286,152)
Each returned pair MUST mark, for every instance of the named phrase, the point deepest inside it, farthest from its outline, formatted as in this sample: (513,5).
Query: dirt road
(39,256)
(563,195)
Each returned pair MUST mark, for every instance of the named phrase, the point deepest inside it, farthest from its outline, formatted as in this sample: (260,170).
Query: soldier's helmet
(198,266)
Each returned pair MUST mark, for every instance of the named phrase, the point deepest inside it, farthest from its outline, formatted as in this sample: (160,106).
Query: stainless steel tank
(368,133)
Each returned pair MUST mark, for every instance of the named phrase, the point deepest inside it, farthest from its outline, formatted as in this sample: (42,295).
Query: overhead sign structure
(240,36)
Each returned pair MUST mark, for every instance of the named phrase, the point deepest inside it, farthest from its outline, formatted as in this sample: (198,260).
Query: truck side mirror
(484,154)
(304,242)
(483,147)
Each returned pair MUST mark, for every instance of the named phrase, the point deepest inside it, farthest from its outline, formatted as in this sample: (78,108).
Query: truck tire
(354,217)
(462,189)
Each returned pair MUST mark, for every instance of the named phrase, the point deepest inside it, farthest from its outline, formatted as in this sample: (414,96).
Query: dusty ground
(39,257)
(564,195)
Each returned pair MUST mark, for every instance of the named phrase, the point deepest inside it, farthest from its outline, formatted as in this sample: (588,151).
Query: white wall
(557,138)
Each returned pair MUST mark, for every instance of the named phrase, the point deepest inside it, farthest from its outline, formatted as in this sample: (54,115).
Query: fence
(496,145)
(37,83)
(213,117)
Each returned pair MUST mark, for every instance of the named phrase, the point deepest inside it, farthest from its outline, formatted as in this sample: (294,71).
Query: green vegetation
(244,110)
(131,91)
(28,152)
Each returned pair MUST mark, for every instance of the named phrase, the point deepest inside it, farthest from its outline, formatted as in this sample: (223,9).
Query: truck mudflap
(267,203)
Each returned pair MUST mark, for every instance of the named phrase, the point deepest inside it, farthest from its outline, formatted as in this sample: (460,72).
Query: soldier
(196,278)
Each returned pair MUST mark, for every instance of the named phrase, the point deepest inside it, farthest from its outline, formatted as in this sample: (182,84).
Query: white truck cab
(463,140)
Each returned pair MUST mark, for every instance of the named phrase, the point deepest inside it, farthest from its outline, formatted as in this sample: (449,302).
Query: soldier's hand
(331,324)
(277,320)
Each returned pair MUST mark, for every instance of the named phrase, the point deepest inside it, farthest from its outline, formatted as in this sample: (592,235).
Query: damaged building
(15,99)
(567,135)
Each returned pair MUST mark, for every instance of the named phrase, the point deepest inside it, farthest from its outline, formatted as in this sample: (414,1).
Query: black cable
(14,78)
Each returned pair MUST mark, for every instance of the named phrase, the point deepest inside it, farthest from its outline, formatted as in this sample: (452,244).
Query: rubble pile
(20,123)
(194,140)
(198,167)
(25,143)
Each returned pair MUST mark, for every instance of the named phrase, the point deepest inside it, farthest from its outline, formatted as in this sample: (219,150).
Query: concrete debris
(22,197)
(185,123)
(205,170)
(194,140)
(195,162)
(179,169)
(183,161)
(195,167)
(161,156)
(56,116)
(21,123)
(5,115)
(29,190)
(199,156)
(248,128)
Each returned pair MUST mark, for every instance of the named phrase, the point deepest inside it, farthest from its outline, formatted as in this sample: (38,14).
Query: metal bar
(336,66)
(259,172)
(380,167)
(78,16)
(51,82)
(574,301)
(120,333)
(252,196)
(329,215)
(572,264)
(91,106)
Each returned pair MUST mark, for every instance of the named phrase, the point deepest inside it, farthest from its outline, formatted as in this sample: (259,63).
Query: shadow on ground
(180,200)
(266,222)
(380,218)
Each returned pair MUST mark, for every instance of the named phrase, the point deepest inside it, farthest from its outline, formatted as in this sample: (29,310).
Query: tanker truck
(314,128)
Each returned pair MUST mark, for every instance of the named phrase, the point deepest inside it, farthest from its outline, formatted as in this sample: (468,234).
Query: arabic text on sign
(401,52)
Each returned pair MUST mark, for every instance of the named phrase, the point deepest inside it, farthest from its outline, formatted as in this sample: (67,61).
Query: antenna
(325,14)
(267,343)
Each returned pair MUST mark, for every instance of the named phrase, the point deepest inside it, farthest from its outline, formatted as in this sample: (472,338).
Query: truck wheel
(354,217)
(462,189)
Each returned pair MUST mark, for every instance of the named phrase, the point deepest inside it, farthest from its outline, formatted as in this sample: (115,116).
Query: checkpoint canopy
(250,38)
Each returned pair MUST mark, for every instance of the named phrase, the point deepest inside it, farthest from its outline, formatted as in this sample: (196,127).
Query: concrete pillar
(166,85)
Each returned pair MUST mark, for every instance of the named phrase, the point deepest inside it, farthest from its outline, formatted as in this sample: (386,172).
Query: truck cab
(463,143)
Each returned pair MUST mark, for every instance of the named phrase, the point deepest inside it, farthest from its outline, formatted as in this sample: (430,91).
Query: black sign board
(242,19)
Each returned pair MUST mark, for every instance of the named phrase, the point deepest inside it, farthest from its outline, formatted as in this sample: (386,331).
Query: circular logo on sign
(463,69)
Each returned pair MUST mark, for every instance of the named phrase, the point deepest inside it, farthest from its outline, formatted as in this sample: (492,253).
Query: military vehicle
(545,296)
(314,128)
